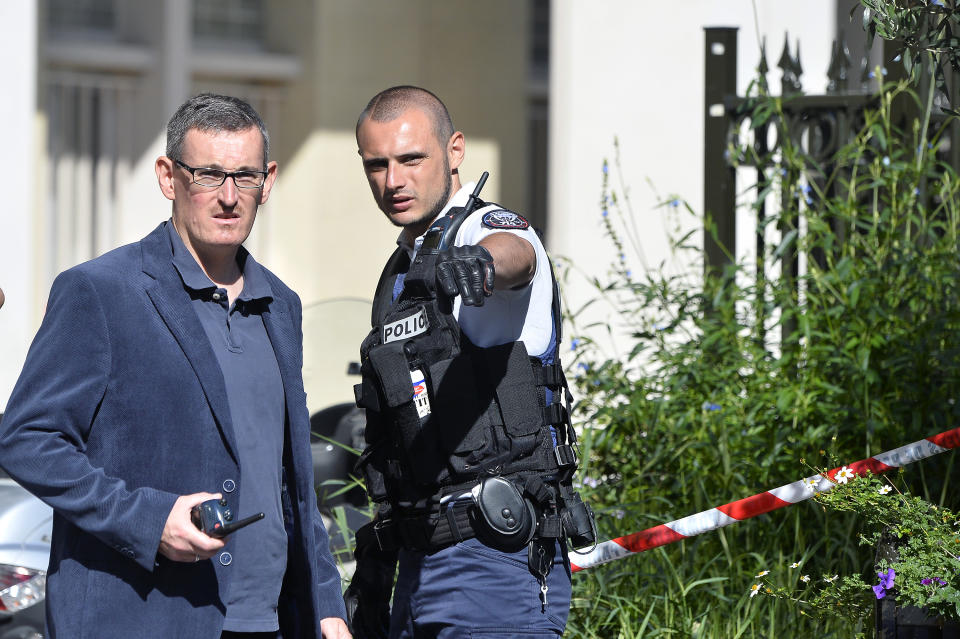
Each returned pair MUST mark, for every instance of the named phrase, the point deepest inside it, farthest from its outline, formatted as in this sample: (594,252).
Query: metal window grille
(82,15)
(89,116)
(220,22)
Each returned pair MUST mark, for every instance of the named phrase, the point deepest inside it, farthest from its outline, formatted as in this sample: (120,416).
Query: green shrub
(736,384)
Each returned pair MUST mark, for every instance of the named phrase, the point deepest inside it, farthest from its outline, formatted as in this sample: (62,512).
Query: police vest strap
(556,414)
(398,263)
(549,375)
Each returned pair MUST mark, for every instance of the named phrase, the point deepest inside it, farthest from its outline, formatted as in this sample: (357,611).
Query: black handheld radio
(443,231)
(216,520)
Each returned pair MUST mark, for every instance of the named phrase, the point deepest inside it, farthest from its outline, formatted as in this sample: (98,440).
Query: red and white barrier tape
(758,504)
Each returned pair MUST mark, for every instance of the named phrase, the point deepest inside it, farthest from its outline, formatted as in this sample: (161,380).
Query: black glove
(466,271)
(367,598)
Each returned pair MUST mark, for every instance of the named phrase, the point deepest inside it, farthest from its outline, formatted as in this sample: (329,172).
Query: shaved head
(390,103)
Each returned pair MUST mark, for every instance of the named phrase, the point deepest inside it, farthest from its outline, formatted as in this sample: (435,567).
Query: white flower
(885,489)
(845,475)
(830,579)
(795,564)
(763,573)
(754,589)
(810,483)
(805,578)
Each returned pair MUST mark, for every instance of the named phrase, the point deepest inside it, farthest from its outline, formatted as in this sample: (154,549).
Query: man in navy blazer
(166,373)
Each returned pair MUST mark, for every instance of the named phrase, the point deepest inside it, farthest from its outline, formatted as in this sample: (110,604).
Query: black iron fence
(819,124)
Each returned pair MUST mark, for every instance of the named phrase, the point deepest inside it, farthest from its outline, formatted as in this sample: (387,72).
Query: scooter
(332,332)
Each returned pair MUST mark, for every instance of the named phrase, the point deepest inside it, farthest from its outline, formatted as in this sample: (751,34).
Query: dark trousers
(227,634)
(470,590)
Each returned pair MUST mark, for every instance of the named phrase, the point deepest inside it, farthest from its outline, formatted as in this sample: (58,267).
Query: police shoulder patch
(502,219)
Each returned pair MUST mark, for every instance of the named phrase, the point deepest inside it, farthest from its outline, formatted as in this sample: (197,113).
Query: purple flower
(710,406)
(886,579)
(886,583)
(935,580)
(574,343)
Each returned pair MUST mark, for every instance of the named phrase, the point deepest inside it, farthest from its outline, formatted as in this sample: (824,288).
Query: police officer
(475,508)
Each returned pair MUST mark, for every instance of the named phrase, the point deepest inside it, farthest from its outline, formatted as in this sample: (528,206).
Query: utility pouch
(578,522)
(506,520)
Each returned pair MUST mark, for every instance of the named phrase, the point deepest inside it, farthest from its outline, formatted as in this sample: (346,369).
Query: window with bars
(219,23)
(83,16)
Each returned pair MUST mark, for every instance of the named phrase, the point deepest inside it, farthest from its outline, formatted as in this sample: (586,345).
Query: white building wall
(633,69)
(18,115)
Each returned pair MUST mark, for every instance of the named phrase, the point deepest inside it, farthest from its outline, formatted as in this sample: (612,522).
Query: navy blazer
(120,408)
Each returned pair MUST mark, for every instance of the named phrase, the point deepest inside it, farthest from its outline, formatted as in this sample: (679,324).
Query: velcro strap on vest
(550,375)
(555,414)
(427,532)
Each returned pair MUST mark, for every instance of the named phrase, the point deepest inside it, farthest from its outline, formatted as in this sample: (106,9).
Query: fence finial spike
(790,82)
(785,59)
(839,64)
(798,68)
(762,66)
(834,72)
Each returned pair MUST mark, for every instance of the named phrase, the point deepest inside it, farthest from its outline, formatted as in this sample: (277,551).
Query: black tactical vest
(443,413)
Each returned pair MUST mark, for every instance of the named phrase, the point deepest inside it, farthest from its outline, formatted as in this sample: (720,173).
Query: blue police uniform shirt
(257,553)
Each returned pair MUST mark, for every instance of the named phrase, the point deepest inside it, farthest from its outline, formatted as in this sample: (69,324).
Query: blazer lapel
(173,304)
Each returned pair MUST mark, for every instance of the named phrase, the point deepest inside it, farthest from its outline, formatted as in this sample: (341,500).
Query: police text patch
(406,327)
(504,220)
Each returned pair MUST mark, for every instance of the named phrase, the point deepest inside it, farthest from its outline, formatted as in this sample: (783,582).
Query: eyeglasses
(216,177)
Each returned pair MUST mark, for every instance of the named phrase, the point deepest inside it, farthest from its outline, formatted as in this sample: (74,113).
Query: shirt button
(229,486)
(226,559)
(216,297)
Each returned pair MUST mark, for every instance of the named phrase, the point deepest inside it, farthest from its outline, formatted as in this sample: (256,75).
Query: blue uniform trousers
(472,591)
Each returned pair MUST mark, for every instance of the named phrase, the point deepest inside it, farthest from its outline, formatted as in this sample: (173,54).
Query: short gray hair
(213,113)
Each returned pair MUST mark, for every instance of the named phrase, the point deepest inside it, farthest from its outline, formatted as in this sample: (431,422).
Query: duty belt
(424,531)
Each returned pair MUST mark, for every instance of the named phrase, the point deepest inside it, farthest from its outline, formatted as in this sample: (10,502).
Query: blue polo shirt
(257,553)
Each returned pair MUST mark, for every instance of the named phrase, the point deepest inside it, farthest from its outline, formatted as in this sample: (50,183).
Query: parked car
(25,527)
